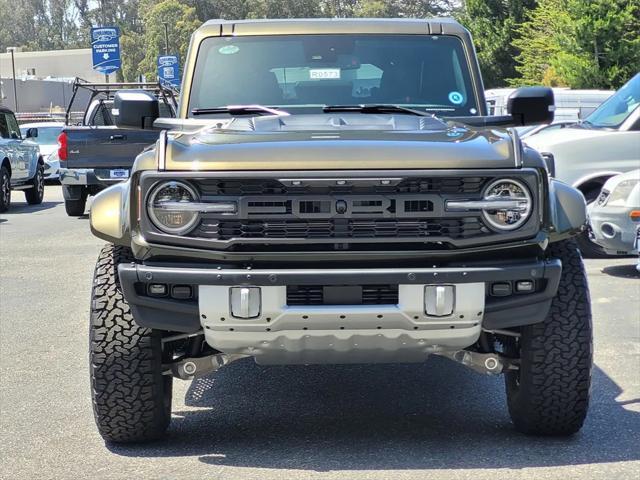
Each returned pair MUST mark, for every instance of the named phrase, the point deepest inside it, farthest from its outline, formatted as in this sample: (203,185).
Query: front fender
(568,210)
(109,214)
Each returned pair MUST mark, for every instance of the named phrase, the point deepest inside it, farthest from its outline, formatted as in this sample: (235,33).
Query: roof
(4,109)
(434,26)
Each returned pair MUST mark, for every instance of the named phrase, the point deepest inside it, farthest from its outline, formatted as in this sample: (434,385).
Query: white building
(51,64)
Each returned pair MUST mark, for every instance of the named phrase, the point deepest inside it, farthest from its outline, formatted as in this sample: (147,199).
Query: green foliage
(579,44)
(492,24)
(142,53)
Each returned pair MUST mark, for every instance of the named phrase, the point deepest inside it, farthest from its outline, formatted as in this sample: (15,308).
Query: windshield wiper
(374,108)
(238,110)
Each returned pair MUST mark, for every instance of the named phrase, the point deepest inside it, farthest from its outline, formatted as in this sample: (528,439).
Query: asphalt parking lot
(435,420)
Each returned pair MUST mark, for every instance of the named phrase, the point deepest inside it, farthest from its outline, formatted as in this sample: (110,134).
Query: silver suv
(22,166)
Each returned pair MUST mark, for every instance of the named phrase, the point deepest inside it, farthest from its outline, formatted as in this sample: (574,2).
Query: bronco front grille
(320,211)
(274,187)
(456,228)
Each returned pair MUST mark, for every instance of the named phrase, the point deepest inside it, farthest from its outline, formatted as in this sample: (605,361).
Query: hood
(548,139)
(346,141)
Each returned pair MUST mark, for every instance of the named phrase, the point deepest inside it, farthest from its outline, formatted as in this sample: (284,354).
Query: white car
(589,153)
(47,139)
(614,217)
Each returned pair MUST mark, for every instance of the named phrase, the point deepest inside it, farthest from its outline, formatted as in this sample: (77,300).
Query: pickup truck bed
(105,147)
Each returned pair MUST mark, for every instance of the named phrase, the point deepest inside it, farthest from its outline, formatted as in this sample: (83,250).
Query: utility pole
(13,67)
(166,38)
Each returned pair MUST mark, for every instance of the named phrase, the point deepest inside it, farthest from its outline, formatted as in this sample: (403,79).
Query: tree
(492,24)
(182,20)
(579,43)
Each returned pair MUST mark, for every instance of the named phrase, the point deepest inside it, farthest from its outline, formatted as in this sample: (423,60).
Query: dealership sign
(169,70)
(105,46)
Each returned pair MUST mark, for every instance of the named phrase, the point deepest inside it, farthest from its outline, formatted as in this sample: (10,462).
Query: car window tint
(4,128)
(614,111)
(420,71)
(12,125)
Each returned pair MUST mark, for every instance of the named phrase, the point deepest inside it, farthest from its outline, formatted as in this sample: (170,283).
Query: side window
(12,124)
(4,128)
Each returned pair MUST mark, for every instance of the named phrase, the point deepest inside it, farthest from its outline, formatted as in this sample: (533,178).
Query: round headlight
(512,201)
(165,207)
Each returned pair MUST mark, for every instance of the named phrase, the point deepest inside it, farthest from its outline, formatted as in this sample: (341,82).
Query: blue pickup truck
(22,166)
(95,153)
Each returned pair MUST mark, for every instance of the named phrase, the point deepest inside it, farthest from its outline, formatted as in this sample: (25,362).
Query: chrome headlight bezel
(190,225)
(524,215)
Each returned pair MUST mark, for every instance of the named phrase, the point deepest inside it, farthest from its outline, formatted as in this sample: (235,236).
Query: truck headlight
(508,204)
(169,207)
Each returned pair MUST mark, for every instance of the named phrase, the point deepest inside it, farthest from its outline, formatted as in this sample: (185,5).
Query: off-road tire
(131,397)
(549,395)
(76,208)
(5,189)
(35,194)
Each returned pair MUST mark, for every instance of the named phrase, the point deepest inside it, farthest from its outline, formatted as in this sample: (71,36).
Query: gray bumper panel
(183,316)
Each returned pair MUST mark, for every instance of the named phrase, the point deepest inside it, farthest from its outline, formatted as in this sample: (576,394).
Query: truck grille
(314,295)
(456,228)
(408,185)
(321,211)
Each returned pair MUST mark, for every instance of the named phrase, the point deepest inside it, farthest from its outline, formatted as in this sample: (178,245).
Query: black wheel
(549,394)
(76,208)
(131,396)
(5,189)
(35,194)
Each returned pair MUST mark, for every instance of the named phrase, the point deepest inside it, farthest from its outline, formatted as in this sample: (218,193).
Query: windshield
(46,135)
(299,72)
(613,112)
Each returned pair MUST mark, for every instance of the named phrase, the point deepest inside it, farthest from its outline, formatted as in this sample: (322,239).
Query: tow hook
(190,368)
(485,363)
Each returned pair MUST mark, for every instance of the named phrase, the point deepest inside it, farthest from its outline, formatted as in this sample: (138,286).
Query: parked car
(21,165)
(338,207)
(536,129)
(97,153)
(587,154)
(614,217)
(47,139)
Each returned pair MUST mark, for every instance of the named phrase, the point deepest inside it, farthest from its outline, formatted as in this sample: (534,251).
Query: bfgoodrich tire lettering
(131,397)
(549,395)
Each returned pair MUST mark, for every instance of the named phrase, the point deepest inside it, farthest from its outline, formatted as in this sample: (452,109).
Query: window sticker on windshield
(228,49)
(324,73)
(456,98)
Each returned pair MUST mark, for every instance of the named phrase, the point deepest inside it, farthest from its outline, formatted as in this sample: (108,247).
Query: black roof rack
(108,90)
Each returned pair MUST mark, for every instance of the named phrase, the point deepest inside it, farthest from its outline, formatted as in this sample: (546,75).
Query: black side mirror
(135,109)
(531,106)
(31,133)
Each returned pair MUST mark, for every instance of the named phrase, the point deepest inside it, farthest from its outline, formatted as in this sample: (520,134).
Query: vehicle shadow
(20,208)
(622,271)
(367,417)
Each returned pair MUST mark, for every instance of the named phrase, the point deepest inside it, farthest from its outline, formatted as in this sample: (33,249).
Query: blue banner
(105,45)
(169,70)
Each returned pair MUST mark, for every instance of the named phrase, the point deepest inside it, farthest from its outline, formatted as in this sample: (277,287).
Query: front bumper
(614,230)
(283,333)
